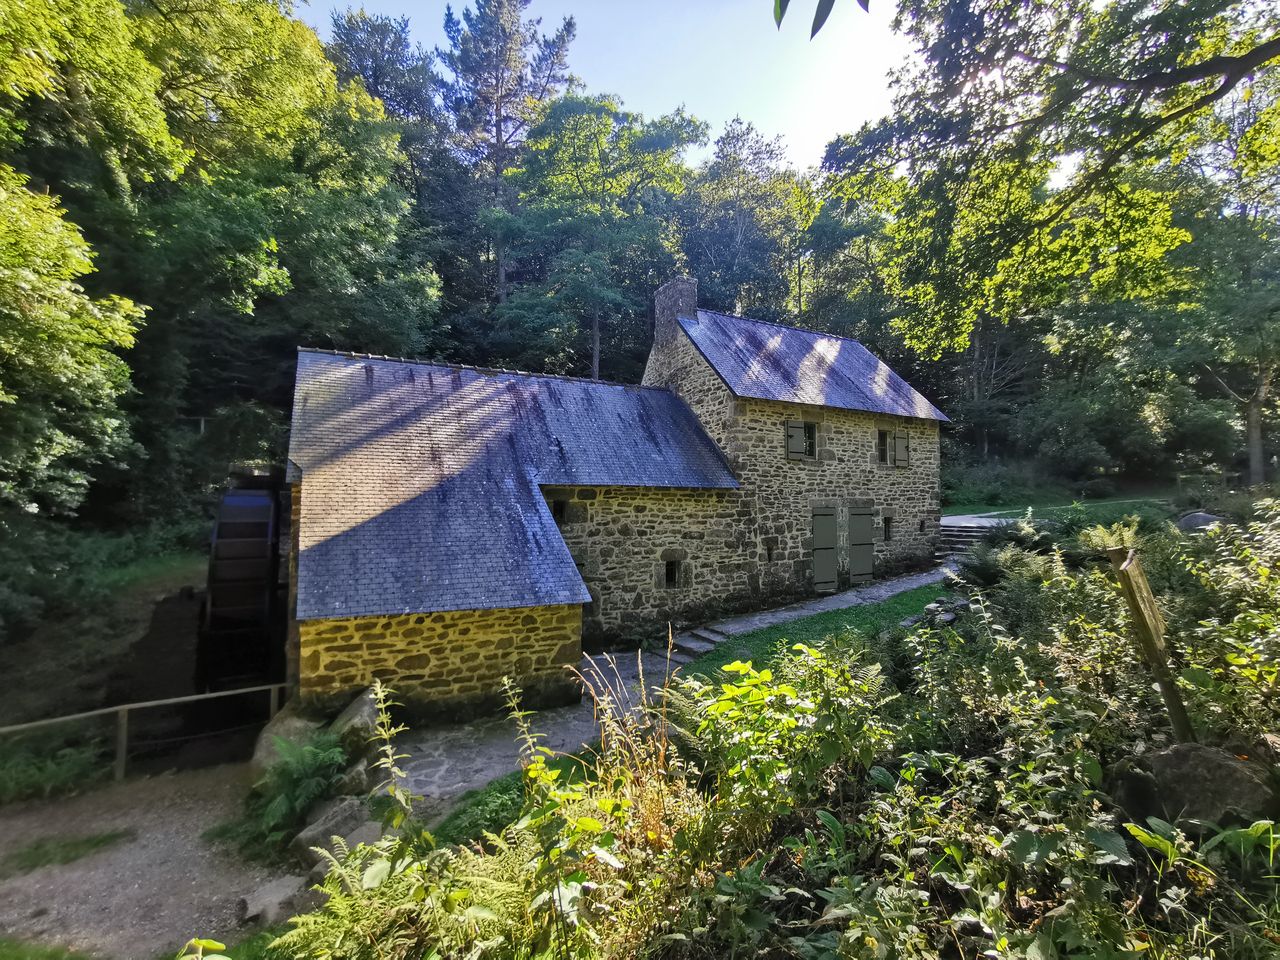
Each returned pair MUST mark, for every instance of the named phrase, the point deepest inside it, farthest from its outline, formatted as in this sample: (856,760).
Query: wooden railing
(275,691)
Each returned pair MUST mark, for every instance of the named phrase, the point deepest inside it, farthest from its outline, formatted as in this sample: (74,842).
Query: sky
(719,58)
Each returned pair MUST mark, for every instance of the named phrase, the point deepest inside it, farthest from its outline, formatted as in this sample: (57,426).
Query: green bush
(276,808)
(995,484)
(31,769)
(51,569)
(810,809)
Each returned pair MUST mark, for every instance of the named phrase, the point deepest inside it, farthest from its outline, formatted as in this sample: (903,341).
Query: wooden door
(824,549)
(862,549)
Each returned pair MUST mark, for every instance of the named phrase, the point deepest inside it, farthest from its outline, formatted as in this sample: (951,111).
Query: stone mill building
(453,526)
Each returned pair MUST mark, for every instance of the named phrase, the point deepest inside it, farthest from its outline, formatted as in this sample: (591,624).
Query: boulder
(1190,783)
(1197,521)
(290,725)
(332,818)
(355,781)
(355,726)
(272,903)
(945,618)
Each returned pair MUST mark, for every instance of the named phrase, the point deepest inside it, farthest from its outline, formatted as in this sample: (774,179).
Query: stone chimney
(675,298)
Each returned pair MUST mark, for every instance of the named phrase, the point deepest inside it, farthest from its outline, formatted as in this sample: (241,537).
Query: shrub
(31,769)
(276,808)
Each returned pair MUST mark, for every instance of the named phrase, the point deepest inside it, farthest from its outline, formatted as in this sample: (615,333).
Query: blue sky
(719,58)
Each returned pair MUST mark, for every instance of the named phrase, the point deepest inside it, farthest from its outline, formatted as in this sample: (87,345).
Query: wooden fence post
(1148,626)
(122,741)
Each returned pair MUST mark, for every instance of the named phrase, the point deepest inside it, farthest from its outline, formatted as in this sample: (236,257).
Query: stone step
(709,634)
(691,642)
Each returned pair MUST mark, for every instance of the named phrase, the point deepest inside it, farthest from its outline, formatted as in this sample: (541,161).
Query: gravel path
(142,897)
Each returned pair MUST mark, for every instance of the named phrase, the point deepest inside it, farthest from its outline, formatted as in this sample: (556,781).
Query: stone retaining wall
(444,663)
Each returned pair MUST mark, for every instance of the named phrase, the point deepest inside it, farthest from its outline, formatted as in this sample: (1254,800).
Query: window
(802,440)
(673,574)
(883,443)
(888,528)
(559,510)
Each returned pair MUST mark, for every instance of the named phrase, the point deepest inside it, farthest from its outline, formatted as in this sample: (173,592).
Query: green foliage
(33,770)
(816,808)
(770,736)
(19,950)
(60,850)
(277,806)
(59,376)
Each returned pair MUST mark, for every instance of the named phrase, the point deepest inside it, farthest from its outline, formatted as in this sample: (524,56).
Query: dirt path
(142,897)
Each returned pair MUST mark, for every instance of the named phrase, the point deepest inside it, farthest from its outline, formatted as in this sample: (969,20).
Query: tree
(1009,95)
(734,221)
(60,378)
(502,72)
(447,197)
(587,237)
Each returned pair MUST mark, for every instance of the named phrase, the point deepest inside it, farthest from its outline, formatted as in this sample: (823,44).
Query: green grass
(186,566)
(495,805)
(1048,503)
(57,850)
(870,619)
(20,950)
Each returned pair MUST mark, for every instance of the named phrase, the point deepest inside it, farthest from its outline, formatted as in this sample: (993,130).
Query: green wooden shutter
(861,544)
(902,448)
(796,447)
(824,549)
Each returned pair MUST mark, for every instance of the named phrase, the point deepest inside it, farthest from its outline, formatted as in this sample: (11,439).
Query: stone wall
(448,663)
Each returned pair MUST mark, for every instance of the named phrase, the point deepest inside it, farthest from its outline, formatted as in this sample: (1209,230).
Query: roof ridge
(354,355)
(787,326)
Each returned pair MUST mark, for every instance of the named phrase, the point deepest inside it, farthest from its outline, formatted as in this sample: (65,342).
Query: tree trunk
(500,258)
(595,345)
(1253,428)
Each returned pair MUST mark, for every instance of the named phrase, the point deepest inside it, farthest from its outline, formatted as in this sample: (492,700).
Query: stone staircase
(957,535)
(688,645)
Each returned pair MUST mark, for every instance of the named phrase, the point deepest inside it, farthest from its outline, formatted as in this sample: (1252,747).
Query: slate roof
(421,487)
(768,361)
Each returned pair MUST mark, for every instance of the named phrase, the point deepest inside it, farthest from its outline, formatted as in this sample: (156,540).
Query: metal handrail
(122,716)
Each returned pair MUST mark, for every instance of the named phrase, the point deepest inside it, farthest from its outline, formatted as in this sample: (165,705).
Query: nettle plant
(772,737)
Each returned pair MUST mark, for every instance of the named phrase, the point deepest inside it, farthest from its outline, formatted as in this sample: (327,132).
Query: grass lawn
(870,618)
(498,803)
(1045,506)
(495,805)
(57,850)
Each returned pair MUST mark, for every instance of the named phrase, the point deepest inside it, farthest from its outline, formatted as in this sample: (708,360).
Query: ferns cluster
(810,808)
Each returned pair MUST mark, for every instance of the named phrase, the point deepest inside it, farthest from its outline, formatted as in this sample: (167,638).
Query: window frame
(884,446)
(676,567)
(809,438)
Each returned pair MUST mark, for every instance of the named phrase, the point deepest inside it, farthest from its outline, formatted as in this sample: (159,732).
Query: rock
(1267,748)
(945,618)
(1190,783)
(355,726)
(355,781)
(1197,521)
(333,818)
(933,608)
(910,622)
(273,903)
(289,725)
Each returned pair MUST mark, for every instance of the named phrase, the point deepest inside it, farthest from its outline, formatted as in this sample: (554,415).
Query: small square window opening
(672,574)
(559,510)
(888,528)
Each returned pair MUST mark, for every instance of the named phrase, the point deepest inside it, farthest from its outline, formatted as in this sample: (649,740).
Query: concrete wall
(444,663)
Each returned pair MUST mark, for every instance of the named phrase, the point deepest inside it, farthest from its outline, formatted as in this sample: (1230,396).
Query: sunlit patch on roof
(768,361)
